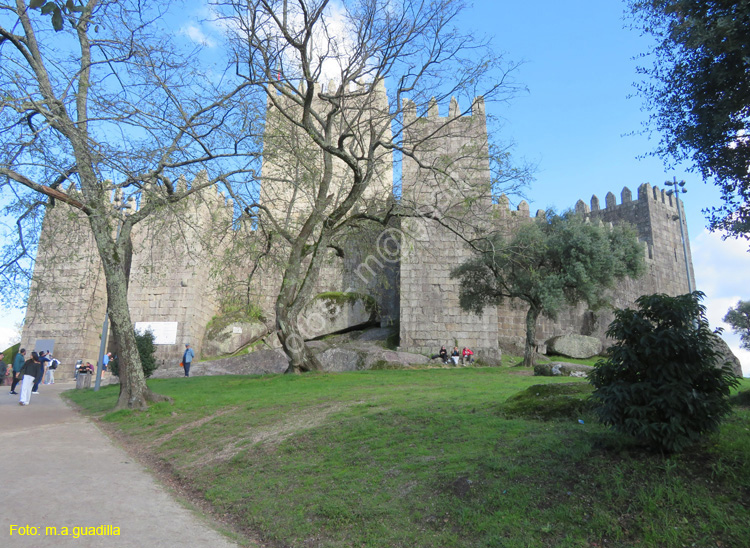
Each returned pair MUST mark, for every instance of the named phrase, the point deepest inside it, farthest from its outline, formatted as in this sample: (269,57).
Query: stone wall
(446,184)
(68,293)
(173,262)
(171,279)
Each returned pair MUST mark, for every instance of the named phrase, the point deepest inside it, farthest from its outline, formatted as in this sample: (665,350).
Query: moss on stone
(232,314)
(336,300)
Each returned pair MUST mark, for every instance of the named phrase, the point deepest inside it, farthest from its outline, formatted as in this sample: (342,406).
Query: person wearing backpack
(49,375)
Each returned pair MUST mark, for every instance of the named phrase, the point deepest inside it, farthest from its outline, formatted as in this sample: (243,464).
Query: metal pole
(682,235)
(102,346)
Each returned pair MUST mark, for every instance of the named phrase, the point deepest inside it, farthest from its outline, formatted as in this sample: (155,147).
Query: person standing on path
(187,358)
(17,365)
(43,360)
(28,374)
(49,375)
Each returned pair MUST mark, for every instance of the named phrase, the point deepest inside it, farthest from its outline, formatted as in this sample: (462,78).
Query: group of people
(465,356)
(29,373)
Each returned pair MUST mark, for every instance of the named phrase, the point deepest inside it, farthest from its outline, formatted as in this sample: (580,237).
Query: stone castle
(181,270)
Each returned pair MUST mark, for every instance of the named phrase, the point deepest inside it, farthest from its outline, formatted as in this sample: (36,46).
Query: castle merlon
(433,110)
(646,193)
(522,209)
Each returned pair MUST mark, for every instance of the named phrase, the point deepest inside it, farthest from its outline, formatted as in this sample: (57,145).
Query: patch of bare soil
(195,424)
(270,436)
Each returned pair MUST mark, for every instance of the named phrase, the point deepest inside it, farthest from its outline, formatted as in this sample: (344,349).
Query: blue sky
(577,123)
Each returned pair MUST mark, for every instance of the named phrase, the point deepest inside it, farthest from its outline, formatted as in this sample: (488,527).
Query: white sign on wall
(164,332)
(237,330)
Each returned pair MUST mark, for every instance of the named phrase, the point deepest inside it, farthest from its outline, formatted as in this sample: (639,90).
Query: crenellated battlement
(646,194)
(477,111)
(502,207)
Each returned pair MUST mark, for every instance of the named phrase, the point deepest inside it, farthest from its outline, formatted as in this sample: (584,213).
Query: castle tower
(293,164)
(446,182)
(171,284)
(293,172)
(68,293)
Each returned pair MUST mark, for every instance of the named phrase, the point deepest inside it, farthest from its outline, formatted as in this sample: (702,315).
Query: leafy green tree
(660,383)
(698,90)
(547,263)
(739,318)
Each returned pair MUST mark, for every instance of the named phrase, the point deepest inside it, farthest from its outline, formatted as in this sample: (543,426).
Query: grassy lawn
(427,459)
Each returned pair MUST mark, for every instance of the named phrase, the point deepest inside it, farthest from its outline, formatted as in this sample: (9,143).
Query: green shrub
(660,383)
(146,349)
(741,399)
(546,402)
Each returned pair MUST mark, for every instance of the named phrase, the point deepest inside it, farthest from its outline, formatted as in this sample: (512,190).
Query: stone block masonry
(170,279)
(68,295)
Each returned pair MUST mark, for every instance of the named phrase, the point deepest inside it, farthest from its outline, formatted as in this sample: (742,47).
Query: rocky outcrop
(727,356)
(255,363)
(338,360)
(347,352)
(562,369)
(574,346)
(232,338)
(335,312)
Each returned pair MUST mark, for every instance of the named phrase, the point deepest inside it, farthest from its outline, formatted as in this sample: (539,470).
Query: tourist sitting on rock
(443,354)
(455,355)
(467,355)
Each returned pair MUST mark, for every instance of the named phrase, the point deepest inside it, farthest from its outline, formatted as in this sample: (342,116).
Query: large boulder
(334,312)
(402,359)
(574,346)
(562,369)
(230,339)
(337,360)
(254,363)
(727,356)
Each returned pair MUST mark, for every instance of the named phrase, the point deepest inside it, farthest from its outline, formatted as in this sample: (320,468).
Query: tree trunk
(528,355)
(296,290)
(134,393)
(300,357)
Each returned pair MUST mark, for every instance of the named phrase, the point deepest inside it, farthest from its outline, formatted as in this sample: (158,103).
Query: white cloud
(721,269)
(8,337)
(197,35)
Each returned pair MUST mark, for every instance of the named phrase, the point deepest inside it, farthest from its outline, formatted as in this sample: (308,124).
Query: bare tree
(110,105)
(329,150)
